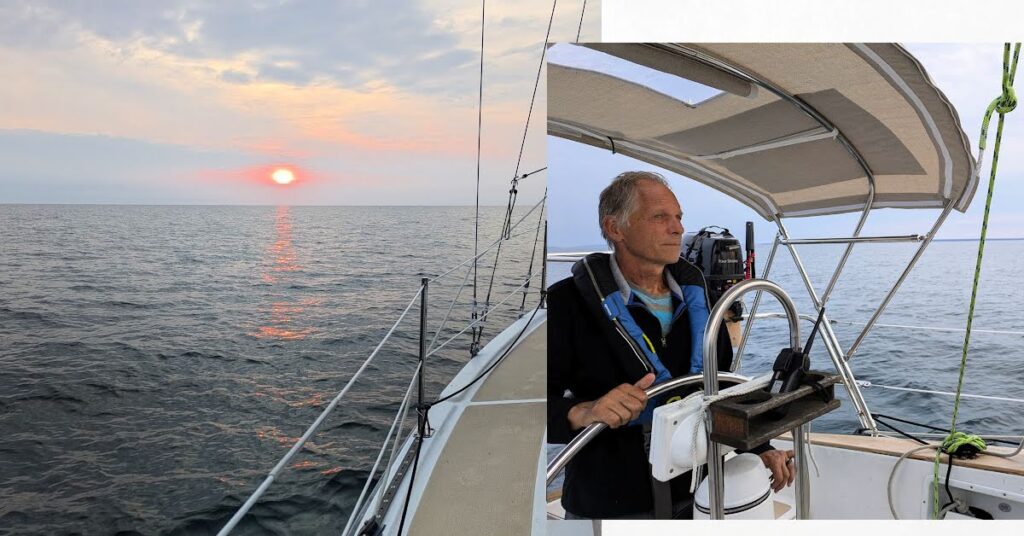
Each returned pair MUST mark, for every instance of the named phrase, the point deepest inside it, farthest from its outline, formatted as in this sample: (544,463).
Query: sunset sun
(282,176)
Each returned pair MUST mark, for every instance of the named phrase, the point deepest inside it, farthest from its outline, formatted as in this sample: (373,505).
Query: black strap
(662,494)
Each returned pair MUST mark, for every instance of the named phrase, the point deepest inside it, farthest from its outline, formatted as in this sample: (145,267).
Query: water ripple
(158,361)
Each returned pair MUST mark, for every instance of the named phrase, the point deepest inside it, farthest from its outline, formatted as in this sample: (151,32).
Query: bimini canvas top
(788,129)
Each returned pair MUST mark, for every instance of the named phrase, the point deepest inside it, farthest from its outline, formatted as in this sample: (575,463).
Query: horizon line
(223,205)
(591,247)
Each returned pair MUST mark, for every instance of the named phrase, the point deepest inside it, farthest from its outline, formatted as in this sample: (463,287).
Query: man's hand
(781,464)
(618,407)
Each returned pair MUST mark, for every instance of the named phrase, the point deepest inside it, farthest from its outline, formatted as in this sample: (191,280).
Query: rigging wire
(524,175)
(513,191)
(580,28)
(492,245)
(536,84)
(479,320)
(479,138)
(469,271)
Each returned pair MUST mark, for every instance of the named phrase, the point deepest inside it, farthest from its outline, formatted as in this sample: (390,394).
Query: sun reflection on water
(283,313)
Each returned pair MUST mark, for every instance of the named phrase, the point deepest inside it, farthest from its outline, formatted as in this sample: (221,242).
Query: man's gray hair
(618,199)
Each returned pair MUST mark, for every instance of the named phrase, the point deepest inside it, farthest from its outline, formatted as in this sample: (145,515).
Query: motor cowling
(719,257)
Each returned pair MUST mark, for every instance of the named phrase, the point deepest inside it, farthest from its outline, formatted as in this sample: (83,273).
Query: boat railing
(396,425)
(365,502)
(370,499)
(313,427)
(864,384)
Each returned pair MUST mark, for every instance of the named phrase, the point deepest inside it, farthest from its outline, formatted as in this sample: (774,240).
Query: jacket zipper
(632,346)
(615,321)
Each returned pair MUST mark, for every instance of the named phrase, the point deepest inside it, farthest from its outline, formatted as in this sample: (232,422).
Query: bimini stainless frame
(839,358)
(833,347)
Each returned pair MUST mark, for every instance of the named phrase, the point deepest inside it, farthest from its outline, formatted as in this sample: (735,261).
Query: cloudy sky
(968,74)
(368,103)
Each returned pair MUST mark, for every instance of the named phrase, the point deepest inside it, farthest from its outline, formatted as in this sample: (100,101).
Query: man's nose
(677,227)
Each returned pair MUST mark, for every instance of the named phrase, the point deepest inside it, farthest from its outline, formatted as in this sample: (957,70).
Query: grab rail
(716,469)
(399,417)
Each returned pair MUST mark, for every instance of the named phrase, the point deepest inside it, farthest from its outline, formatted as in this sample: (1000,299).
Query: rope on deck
(958,443)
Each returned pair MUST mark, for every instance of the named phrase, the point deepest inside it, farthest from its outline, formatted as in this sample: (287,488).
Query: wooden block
(749,420)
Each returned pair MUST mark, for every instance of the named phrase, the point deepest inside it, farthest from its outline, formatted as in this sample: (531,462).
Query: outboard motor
(720,258)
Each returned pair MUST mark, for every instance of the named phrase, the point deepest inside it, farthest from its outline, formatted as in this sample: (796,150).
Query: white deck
(478,473)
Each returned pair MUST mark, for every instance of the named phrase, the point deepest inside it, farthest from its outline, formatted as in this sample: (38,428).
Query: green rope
(1003,104)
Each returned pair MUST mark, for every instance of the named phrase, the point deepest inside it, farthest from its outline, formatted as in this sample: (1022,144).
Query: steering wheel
(590,432)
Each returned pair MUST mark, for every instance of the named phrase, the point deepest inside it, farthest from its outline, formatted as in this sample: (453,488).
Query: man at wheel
(620,324)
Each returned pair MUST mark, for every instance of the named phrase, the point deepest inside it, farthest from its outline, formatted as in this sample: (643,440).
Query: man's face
(655,229)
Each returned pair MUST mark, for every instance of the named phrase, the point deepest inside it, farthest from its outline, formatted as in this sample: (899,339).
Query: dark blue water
(156,362)
(936,294)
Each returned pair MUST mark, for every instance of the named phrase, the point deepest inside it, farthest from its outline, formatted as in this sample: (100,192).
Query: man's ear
(611,228)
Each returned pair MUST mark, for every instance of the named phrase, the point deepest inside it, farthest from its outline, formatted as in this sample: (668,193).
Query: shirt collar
(626,291)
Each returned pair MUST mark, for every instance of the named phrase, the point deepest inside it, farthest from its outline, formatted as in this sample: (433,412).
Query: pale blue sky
(969,75)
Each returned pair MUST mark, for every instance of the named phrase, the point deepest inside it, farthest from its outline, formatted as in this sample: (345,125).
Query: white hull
(854,475)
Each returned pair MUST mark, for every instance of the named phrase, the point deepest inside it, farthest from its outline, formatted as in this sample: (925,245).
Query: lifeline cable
(497,361)
(1006,102)
(533,254)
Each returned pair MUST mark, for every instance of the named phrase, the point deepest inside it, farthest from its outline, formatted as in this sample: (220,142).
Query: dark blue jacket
(589,356)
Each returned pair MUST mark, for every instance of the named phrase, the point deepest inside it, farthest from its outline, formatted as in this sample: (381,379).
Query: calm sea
(157,361)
